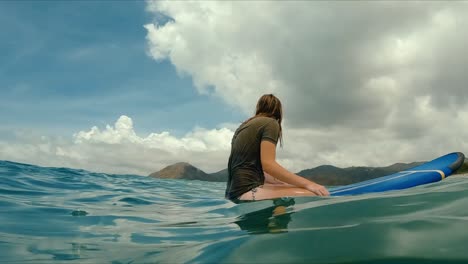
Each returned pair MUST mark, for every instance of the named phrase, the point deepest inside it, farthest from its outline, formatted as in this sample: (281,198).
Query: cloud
(362,82)
(118,149)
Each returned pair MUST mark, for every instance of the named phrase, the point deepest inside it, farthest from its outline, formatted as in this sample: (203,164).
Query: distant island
(326,174)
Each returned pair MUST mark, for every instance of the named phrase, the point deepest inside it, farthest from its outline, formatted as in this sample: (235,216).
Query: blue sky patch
(70,65)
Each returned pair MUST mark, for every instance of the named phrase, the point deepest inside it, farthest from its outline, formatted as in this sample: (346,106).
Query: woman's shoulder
(260,121)
(264,119)
(257,121)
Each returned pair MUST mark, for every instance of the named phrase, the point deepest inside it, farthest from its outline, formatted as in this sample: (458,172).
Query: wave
(61,214)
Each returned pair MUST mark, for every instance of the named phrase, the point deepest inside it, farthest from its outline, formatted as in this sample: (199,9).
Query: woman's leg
(271,191)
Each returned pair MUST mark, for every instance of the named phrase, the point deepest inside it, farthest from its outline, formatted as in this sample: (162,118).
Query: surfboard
(432,171)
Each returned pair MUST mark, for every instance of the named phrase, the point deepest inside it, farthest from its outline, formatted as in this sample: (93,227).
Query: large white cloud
(118,149)
(363,83)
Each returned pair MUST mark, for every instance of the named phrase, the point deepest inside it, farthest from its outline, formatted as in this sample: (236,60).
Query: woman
(253,171)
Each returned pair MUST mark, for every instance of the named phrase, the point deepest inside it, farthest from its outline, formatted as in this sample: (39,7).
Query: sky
(134,86)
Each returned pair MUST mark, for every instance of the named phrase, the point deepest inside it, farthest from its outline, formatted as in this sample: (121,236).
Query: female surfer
(253,173)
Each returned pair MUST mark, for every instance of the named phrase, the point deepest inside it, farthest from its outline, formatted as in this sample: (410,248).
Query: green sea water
(61,215)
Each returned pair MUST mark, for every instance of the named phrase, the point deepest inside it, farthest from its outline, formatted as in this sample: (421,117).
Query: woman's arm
(269,164)
(269,179)
(273,181)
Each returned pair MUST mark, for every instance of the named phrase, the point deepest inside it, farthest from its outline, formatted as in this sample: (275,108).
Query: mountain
(181,170)
(326,174)
(220,176)
(184,170)
(464,168)
(330,175)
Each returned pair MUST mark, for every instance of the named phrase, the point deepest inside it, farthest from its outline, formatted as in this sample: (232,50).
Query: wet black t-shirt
(244,167)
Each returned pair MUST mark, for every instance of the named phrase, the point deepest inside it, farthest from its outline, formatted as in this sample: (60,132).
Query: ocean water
(60,215)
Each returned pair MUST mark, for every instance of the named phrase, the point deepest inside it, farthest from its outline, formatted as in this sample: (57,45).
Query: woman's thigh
(271,191)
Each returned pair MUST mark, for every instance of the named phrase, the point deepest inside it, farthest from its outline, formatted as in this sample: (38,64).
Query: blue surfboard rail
(429,172)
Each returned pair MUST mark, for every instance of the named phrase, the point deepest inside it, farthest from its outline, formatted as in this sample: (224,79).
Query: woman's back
(244,166)
(253,153)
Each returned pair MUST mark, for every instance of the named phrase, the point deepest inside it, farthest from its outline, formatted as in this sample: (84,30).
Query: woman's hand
(318,189)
